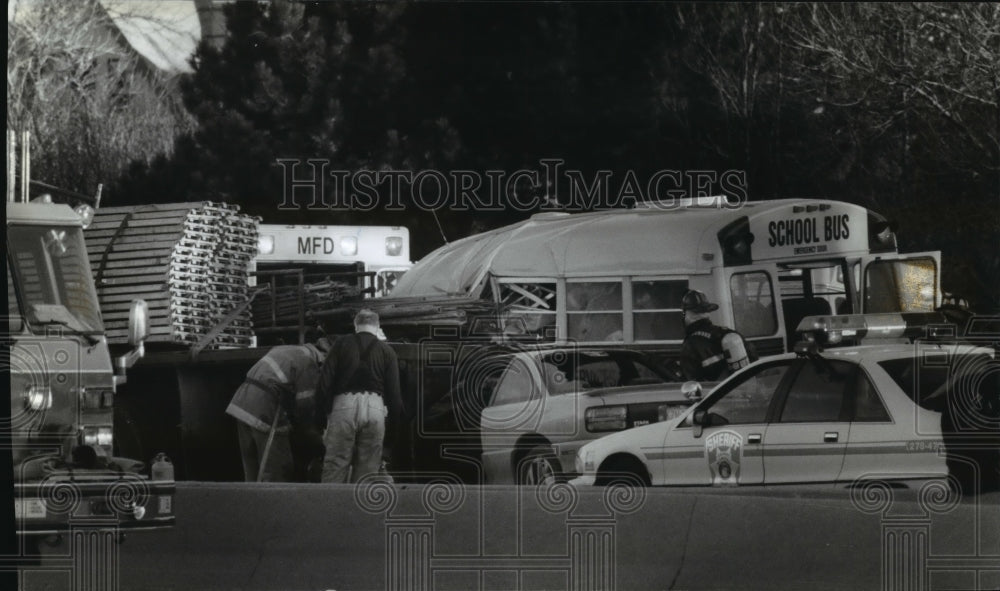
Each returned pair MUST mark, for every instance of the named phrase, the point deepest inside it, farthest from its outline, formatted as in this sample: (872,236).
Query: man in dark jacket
(358,388)
(710,352)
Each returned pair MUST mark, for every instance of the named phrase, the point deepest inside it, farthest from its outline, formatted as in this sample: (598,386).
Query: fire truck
(64,379)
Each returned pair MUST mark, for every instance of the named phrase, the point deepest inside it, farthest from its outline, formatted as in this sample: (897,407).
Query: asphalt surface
(318,537)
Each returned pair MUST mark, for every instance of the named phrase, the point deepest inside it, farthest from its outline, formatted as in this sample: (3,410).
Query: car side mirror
(691,390)
(700,420)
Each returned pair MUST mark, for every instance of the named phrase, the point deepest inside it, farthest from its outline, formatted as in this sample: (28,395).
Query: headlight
(102,436)
(588,462)
(393,246)
(265,244)
(38,398)
(606,418)
(349,245)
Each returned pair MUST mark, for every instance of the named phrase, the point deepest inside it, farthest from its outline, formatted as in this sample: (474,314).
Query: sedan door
(808,436)
(726,449)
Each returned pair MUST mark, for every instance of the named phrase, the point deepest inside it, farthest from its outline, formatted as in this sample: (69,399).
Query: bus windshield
(53,277)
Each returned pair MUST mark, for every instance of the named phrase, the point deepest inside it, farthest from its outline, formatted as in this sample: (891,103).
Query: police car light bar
(834,329)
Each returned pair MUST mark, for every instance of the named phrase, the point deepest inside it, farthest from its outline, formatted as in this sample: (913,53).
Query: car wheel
(539,466)
(623,471)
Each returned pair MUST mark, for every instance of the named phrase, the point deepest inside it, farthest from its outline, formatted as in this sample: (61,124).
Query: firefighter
(710,352)
(277,397)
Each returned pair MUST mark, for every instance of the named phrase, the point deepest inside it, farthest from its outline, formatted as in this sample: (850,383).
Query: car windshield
(928,381)
(53,278)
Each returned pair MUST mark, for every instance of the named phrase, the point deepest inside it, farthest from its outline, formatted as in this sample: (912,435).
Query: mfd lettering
(315,245)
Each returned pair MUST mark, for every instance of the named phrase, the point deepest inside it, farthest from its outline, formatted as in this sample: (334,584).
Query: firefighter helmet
(696,301)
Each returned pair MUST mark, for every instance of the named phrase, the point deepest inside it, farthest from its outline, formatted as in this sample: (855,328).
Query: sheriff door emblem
(724,450)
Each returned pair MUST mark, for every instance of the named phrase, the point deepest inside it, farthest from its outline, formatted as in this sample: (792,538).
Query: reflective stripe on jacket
(284,378)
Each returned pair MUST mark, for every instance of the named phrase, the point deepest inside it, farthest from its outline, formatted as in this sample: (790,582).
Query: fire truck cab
(63,380)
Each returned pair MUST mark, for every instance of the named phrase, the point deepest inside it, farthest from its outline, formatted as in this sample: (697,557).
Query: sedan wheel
(539,467)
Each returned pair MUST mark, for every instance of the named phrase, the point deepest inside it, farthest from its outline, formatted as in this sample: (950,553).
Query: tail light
(606,418)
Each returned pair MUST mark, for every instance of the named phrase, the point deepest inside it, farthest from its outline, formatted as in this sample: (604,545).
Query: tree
(914,90)
(91,104)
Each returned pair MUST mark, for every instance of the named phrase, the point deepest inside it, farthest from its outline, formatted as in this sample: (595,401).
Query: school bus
(618,276)
(573,283)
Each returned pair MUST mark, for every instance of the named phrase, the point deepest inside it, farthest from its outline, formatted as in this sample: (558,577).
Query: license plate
(166,503)
(29,508)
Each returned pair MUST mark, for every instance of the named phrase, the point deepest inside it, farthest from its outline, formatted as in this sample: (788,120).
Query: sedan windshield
(53,277)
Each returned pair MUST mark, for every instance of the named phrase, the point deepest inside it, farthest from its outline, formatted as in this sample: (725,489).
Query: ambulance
(373,257)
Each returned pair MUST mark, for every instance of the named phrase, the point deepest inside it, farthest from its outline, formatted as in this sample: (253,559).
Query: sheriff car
(872,411)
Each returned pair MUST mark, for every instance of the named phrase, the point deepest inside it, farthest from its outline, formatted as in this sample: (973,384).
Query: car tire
(623,471)
(538,467)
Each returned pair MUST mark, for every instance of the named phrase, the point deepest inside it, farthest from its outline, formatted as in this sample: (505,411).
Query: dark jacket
(702,355)
(343,371)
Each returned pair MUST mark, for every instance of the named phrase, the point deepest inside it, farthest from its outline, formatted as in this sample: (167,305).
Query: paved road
(317,537)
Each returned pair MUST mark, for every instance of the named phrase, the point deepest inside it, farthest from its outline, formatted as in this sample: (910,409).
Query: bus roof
(642,241)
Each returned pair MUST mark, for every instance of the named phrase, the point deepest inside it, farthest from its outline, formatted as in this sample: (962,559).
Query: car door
(806,440)
(518,400)
(897,429)
(726,449)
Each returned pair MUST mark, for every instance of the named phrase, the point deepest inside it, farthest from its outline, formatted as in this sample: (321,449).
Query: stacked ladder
(187,260)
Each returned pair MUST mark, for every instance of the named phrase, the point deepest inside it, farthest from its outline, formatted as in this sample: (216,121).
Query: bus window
(819,287)
(530,309)
(656,310)
(753,304)
(900,285)
(594,311)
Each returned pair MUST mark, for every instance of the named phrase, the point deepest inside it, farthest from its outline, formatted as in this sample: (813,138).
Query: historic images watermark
(312,184)
(537,537)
